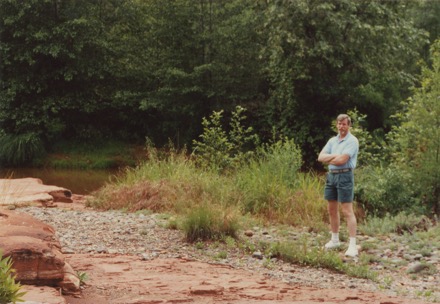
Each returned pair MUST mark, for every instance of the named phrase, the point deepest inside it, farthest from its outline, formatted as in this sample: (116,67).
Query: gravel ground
(145,235)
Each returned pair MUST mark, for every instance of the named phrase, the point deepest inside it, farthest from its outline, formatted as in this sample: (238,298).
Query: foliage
(208,223)
(417,138)
(385,189)
(221,150)
(302,253)
(266,183)
(51,67)
(95,155)
(426,14)
(373,151)
(324,57)
(90,69)
(403,222)
(271,187)
(19,150)
(82,276)
(9,289)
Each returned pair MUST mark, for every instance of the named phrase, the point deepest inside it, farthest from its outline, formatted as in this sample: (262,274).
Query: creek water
(77,181)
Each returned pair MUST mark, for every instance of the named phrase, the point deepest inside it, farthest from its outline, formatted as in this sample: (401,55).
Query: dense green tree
(325,57)
(202,56)
(129,69)
(426,14)
(417,137)
(124,68)
(53,63)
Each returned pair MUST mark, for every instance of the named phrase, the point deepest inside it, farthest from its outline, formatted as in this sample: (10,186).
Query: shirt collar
(345,138)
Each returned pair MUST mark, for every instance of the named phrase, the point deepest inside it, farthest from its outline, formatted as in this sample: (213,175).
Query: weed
(369,245)
(9,289)
(222,255)
(230,242)
(172,223)
(268,263)
(386,282)
(82,276)
(366,259)
(247,246)
(400,223)
(203,223)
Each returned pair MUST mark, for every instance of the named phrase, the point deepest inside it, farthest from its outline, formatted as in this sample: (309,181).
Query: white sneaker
(351,251)
(332,244)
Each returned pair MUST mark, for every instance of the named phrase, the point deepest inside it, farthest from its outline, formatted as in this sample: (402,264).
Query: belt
(336,171)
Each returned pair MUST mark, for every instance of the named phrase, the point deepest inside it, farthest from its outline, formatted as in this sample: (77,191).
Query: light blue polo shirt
(349,145)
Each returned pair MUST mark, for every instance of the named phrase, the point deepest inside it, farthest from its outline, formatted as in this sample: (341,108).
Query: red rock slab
(127,279)
(27,190)
(20,224)
(42,294)
(33,248)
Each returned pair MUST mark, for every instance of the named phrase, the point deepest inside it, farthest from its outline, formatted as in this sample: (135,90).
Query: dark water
(77,181)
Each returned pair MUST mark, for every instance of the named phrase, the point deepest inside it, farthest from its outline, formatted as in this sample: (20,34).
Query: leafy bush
(417,138)
(221,150)
(373,151)
(20,149)
(9,289)
(386,190)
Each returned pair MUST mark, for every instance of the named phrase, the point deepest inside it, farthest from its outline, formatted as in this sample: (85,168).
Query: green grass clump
(205,223)
(20,149)
(303,254)
(400,223)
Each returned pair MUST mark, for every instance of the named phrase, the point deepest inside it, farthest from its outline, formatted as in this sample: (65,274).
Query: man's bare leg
(347,210)
(333,211)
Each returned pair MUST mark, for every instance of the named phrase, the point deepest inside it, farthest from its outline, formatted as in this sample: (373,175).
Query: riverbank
(90,237)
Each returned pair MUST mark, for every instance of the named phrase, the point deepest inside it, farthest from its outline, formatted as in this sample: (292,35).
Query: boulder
(23,191)
(34,261)
(35,252)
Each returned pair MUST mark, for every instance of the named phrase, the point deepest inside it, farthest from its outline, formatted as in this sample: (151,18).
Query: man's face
(343,127)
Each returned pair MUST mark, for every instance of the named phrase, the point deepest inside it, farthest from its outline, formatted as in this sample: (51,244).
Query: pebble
(117,232)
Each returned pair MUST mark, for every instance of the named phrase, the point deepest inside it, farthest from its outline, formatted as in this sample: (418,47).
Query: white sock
(352,242)
(335,237)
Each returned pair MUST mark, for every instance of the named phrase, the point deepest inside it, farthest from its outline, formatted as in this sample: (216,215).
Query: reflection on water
(77,181)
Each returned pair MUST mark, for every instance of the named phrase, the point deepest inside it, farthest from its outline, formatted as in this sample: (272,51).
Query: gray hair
(343,117)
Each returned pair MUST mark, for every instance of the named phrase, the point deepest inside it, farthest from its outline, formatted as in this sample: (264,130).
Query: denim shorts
(339,187)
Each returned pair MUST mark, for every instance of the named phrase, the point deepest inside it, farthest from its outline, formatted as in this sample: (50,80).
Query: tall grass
(207,223)
(20,149)
(164,182)
(270,188)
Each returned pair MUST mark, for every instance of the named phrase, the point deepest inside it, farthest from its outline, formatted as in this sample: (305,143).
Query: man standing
(340,153)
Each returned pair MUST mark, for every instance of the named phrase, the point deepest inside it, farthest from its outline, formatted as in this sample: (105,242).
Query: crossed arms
(333,159)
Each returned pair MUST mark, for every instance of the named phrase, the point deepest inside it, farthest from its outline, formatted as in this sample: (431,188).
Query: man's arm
(325,157)
(333,159)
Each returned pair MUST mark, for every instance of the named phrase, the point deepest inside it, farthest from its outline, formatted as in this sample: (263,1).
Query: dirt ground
(128,279)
